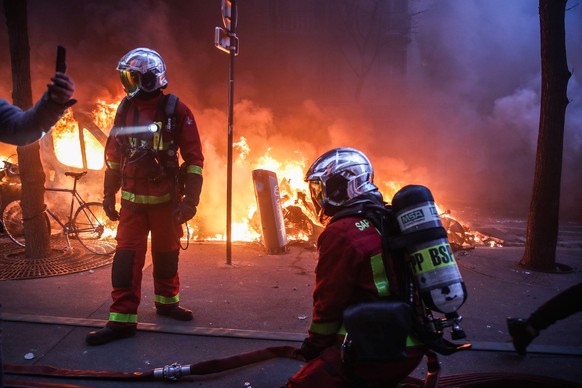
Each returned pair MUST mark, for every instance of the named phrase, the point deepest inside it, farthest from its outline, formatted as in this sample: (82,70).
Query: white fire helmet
(142,69)
(337,177)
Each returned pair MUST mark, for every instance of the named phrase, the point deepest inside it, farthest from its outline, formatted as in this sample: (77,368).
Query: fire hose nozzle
(173,372)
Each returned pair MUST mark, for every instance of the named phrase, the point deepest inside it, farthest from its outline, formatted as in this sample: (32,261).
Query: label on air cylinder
(426,212)
(432,258)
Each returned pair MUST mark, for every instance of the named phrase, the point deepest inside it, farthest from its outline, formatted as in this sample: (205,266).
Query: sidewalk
(264,300)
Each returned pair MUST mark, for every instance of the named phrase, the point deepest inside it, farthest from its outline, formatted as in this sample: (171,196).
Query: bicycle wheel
(13,224)
(94,230)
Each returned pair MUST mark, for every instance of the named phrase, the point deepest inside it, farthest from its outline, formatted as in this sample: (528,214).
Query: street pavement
(259,300)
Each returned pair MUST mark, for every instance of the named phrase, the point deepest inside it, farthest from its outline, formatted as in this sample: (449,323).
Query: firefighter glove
(109,207)
(192,183)
(185,210)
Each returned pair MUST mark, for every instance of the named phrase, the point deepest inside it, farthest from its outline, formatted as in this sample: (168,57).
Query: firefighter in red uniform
(350,273)
(157,195)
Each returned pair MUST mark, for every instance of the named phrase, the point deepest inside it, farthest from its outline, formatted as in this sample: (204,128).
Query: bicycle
(89,224)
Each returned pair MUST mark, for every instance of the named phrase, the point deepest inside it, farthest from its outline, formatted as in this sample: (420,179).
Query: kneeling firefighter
(157,195)
(356,287)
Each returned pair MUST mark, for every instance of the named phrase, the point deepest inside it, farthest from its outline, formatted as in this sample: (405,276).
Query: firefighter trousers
(129,260)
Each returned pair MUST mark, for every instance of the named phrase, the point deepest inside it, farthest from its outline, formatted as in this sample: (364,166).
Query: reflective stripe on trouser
(132,237)
(123,318)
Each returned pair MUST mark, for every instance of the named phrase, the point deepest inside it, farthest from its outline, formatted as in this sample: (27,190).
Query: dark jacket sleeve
(19,127)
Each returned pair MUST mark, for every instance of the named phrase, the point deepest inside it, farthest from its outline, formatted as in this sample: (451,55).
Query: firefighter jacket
(349,271)
(19,127)
(141,152)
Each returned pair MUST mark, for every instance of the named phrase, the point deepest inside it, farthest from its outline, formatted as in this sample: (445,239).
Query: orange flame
(67,140)
(104,113)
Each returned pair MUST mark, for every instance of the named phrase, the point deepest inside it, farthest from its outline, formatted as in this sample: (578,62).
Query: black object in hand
(61,59)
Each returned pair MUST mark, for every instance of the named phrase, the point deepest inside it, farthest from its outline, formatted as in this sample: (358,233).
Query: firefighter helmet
(142,69)
(337,178)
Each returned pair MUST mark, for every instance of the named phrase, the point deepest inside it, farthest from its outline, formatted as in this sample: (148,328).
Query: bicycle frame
(74,196)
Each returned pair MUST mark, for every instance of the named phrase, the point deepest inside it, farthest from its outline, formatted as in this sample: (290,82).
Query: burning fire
(104,113)
(300,220)
(292,189)
(67,136)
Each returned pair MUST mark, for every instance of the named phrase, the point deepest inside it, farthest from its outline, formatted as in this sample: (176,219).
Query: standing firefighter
(356,289)
(157,195)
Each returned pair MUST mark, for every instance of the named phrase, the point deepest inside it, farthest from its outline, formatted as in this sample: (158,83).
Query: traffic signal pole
(229,160)
(227,41)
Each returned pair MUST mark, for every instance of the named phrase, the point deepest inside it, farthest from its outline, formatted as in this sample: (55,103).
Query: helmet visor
(129,80)
(316,191)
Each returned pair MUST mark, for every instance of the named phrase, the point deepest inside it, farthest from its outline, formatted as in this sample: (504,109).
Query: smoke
(478,87)
(462,118)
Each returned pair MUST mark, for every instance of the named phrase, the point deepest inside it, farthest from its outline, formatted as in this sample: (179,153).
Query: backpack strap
(171,102)
(170,162)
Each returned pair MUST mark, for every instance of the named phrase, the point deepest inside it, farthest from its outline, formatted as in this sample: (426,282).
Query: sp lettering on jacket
(362,225)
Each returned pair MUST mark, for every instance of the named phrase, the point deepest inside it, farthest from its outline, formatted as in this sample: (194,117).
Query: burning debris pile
(461,237)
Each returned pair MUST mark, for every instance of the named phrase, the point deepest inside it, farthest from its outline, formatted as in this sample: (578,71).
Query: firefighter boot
(108,334)
(178,313)
(522,333)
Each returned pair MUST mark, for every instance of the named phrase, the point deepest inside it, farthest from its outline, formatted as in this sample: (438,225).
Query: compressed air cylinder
(269,205)
(430,255)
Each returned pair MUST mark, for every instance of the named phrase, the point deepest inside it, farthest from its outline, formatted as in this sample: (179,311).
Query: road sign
(229,14)
(225,41)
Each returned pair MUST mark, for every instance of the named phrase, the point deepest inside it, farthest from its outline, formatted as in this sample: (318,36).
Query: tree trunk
(543,220)
(31,171)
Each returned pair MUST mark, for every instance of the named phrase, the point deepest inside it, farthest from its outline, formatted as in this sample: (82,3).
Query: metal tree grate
(14,265)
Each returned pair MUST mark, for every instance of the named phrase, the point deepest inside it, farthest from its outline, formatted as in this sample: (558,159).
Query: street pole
(227,41)
(229,160)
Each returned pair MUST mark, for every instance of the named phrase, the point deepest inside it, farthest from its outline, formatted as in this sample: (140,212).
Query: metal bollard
(269,205)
